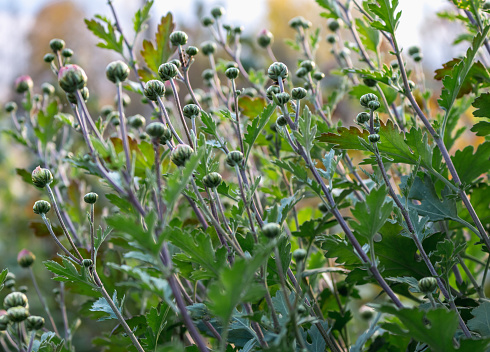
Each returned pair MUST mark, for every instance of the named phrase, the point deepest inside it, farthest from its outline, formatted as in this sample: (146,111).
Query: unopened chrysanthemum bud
(212,180)
(331,38)
(126,99)
(366,98)
(411,84)
(370,82)
(18,314)
(90,198)
(417,57)
(234,158)
(394,64)
(56,44)
(178,38)
(4,320)
(192,50)
(250,91)
(117,71)
(72,78)
(232,73)
(344,53)
(366,312)
(154,89)
(301,72)
(106,110)
(265,38)
(41,207)
(374,105)
(72,97)
(155,129)
(207,21)
(299,254)
(374,138)
(413,50)
(271,230)
(67,53)
(166,136)
(283,98)
(34,322)
(23,84)
(277,70)
(25,258)
(281,121)
(333,25)
(427,285)
(47,88)
(298,93)
(318,76)
(114,118)
(87,263)
(23,289)
(308,65)
(207,74)
(362,117)
(41,177)
(271,91)
(144,136)
(167,71)
(217,12)
(299,22)
(191,111)
(208,48)
(238,29)
(11,106)
(15,299)
(180,154)
(136,121)
(49,57)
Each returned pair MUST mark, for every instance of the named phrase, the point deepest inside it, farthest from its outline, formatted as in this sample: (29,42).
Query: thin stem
(64,315)
(181,115)
(484,278)
(164,113)
(245,203)
(237,114)
(43,301)
(124,133)
(50,229)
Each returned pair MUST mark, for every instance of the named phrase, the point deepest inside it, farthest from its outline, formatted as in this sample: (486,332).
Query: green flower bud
(486,6)
(106,110)
(333,25)
(413,50)
(411,84)
(299,254)
(299,22)
(15,299)
(318,76)
(34,322)
(71,78)
(269,137)
(47,88)
(374,105)
(192,51)
(308,65)
(231,64)
(374,138)
(87,263)
(144,136)
(273,127)
(376,129)
(428,285)
(271,91)
(11,106)
(166,136)
(72,97)
(9,283)
(323,208)
(344,53)
(23,289)
(90,198)
(238,29)
(417,57)
(10,276)
(331,38)
(17,314)
(265,38)
(370,82)
(48,58)
(25,258)
(281,121)
(218,12)
(136,121)
(234,158)
(366,313)
(126,99)
(155,129)
(4,320)
(117,71)
(362,117)
(298,93)
(212,180)
(283,98)
(366,98)
(154,89)
(178,38)
(251,92)
(57,44)
(23,84)
(180,154)
(277,70)
(41,207)
(208,48)
(67,53)
(167,71)
(191,111)
(207,21)
(232,73)
(394,64)
(207,74)
(41,177)
(271,230)
(301,72)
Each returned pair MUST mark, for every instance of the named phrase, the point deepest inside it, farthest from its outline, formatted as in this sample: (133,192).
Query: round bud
(34,322)
(411,84)
(277,70)
(41,177)
(283,98)
(486,5)
(273,127)
(154,89)
(41,207)
(47,88)
(318,76)
(271,91)
(72,78)
(281,121)
(265,38)
(23,289)
(271,230)
(87,263)
(136,121)
(344,53)
(17,314)
(167,71)
(23,84)
(208,48)
(155,129)
(56,44)
(333,25)
(207,21)
(126,99)
(180,154)
(376,129)
(90,198)
(207,74)
(36,98)
(212,180)
(166,136)
(192,51)
(144,136)
(299,22)
(232,73)
(374,105)
(366,312)
(413,50)
(25,258)
(298,93)
(117,71)
(374,138)
(15,299)
(48,58)
(366,98)
(308,65)
(394,64)
(234,158)
(269,137)
(362,117)
(301,72)
(191,111)
(231,64)
(370,82)
(178,38)
(331,38)
(217,12)
(427,285)
(323,208)
(10,106)
(299,254)
(9,283)
(67,53)
(10,276)
(238,29)
(417,57)
(4,320)
(106,110)
(251,92)
(72,97)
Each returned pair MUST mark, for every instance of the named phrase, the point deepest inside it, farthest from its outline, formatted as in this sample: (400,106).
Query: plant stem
(64,315)
(181,115)
(43,301)
(50,229)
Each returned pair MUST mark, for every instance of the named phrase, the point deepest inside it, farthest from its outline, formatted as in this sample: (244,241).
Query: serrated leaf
(386,11)
(254,130)
(470,166)
(332,7)
(101,305)
(108,35)
(251,107)
(306,134)
(142,15)
(68,272)
(3,277)
(476,74)
(158,53)
(369,36)
(481,321)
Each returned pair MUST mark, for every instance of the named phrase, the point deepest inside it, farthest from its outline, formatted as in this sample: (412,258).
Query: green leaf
(470,166)
(254,130)
(101,305)
(481,321)
(482,106)
(372,213)
(298,170)
(369,36)
(306,134)
(386,11)
(318,343)
(482,128)
(3,277)
(332,7)
(108,36)
(251,107)
(68,272)
(141,16)
(446,254)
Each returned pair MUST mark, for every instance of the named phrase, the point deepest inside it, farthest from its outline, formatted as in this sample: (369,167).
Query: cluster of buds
(181,154)
(16,311)
(415,53)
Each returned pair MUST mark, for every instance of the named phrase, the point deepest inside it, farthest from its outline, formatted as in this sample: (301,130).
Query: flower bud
(56,44)
(362,117)
(178,38)
(333,25)
(271,91)
(277,70)
(72,97)
(17,314)
(180,154)
(298,22)
(15,299)
(234,158)
(48,58)
(301,72)
(308,65)
(281,121)
(374,105)
(34,322)
(366,313)
(366,98)
(331,38)
(207,74)
(47,88)
(155,129)
(374,138)
(298,93)
(232,73)
(282,98)
(166,136)
(9,283)
(411,84)
(117,71)
(114,118)
(394,64)
(318,76)
(41,177)
(137,121)
(167,71)
(413,50)
(344,53)
(299,254)
(72,78)
(87,263)
(90,198)
(271,230)
(67,53)
(41,207)
(212,180)
(207,21)
(370,82)
(192,51)
(427,285)
(25,258)
(208,48)
(4,320)
(323,208)
(154,89)
(106,110)
(23,84)
(417,57)
(11,106)
(265,38)
(217,12)
(238,29)
(144,136)
(191,111)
